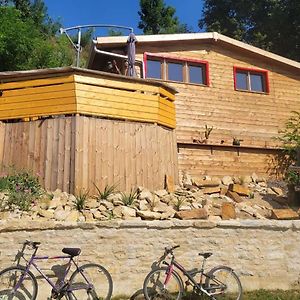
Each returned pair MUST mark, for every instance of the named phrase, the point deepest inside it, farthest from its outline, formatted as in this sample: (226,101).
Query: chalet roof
(213,37)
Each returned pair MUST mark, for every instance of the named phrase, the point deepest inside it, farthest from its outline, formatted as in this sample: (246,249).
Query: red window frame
(264,73)
(172,58)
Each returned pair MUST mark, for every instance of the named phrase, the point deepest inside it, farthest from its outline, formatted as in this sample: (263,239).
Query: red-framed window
(251,80)
(171,68)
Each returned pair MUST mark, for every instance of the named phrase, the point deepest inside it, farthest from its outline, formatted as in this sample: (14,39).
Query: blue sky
(118,12)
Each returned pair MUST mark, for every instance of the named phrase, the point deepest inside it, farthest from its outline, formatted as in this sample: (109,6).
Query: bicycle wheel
(91,281)
(223,283)
(158,285)
(13,289)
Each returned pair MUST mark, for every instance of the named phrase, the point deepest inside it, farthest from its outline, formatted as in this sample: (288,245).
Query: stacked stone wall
(264,253)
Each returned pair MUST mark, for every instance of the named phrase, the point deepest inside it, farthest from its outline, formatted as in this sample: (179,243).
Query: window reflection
(175,71)
(196,74)
(153,69)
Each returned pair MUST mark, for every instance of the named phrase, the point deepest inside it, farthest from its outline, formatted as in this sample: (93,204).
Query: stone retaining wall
(264,253)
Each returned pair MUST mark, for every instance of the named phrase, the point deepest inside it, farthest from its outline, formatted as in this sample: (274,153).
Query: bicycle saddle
(71,251)
(206,254)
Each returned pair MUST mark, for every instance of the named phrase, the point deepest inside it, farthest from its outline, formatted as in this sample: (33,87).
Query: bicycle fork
(169,274)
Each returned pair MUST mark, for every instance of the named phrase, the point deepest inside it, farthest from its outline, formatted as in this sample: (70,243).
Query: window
(251,80)
(167,67)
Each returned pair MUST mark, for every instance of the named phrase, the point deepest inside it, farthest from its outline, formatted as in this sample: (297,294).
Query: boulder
(239,189)
(228,211)
(170,186)
(61,214)
(160,207)
(278,191)
(284,214)
(226,180)
(128,211)
(161,193)
(199,182)
(200,213)
(73,216)
(234,196)
(211,190)
(149,215)
(49,214)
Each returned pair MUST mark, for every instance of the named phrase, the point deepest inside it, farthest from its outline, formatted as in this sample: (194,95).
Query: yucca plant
(129,199)
(80,200)
(108,190)
(178,203)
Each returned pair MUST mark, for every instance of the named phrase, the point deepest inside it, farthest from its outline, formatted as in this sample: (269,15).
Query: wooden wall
(254,118)
(72,153)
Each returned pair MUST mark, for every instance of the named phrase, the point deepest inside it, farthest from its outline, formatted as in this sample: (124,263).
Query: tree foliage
(157,18)
(27,37)
(273,25)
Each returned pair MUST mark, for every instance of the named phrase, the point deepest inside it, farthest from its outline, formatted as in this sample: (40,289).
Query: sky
(117,12)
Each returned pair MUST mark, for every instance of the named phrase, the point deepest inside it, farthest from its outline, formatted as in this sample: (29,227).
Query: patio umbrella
(131,54)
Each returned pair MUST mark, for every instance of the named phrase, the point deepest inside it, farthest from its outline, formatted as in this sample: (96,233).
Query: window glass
(175,71)
(153,69)
(241,81)
(257,82)
(196,74)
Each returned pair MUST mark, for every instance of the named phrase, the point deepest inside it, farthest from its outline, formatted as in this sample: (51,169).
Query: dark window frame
(186,62)
(248,72)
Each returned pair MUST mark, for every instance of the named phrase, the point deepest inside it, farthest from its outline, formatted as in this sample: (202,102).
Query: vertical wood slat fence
(74,152)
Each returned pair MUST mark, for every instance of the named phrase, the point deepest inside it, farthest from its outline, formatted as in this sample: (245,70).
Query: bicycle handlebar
(32,244)
(170,249)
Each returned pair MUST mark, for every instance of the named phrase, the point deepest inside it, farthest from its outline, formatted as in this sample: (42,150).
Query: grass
(254,295)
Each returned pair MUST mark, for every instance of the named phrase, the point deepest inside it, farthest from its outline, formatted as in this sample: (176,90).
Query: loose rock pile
(215,199)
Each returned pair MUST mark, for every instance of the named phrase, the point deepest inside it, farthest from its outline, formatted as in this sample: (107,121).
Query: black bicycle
(220,282)
(88,282)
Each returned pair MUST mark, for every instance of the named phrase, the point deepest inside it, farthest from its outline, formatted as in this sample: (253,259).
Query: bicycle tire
(231,289)
(97,276)
(10,277)
(156,279)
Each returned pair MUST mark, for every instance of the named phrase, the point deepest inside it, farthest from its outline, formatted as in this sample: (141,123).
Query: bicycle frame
(177,265)
(56,287)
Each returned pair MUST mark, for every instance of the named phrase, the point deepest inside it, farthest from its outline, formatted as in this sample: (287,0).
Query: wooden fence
(74,152)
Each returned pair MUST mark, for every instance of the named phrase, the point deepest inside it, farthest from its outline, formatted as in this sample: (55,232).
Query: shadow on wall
(279,164)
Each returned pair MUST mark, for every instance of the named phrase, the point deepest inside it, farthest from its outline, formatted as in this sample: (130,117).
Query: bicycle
(89,281)
(220,282)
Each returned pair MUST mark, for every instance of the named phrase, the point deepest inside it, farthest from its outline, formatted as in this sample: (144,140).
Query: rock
(149,215)
(185,207)
(239,189)
(49,214)
(262,184)
(249,210)
(211,190)
(161,193)
(199,182)
(234,196)
(169,213)
(128,211)
(246,180)
(55,202)
(191,187)
(170,186)
(73,216)
(228,211)
(61,214)
(160,207)
(143,205)
(278,191)
(186,179)
(117,212)
(214,219)
(226,180)
(102,208)
(146,195)
(91,203)
(284,214)
(107,204)
(199,213)
(115,198)
(88,216)
(98,215)
(254,177)
(223,190)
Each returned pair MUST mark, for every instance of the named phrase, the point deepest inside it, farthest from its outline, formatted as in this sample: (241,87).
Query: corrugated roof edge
(10,76)
(214,36)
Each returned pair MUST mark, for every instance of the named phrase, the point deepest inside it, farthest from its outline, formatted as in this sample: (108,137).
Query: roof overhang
(211,37)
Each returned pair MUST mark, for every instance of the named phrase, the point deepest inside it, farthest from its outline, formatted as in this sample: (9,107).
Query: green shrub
(108,190)
(80,200)
(22,189)
(292,177)
(129,199)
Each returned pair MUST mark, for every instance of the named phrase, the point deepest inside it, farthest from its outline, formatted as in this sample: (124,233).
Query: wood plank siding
(84,128)
(73,153)
(85,92)
(254,118)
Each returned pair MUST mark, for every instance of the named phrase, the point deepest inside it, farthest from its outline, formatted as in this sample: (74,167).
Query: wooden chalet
(78,128)
(233,99)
